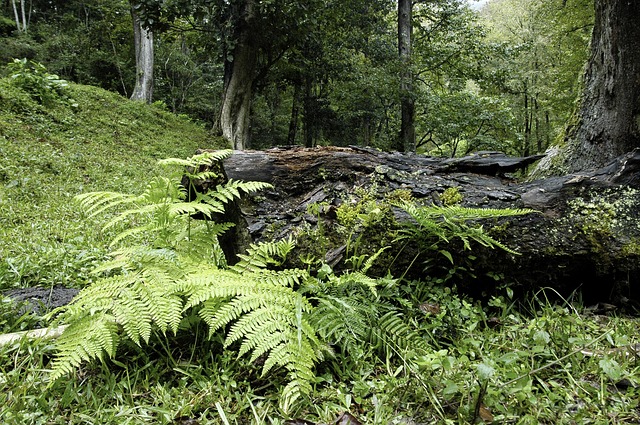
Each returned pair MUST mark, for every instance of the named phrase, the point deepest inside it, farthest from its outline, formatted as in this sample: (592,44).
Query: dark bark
(407,141)
(309,113)
(608,121)
(295,114)
(585,235)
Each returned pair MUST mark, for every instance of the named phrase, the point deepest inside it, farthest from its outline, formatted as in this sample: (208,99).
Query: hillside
(83,140)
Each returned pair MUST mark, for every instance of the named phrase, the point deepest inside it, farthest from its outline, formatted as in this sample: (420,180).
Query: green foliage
(7,26)
(170,265)
(544,46)
(354,311)
(437,224)
(33,78)
(451,196)
(15,316)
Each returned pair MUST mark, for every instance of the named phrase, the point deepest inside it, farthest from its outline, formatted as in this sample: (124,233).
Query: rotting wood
(561,246)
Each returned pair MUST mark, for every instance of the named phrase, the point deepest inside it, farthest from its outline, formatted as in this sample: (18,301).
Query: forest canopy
(505,77)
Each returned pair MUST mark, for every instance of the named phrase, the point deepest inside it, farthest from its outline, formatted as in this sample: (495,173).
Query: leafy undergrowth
(57,147)
(549,364)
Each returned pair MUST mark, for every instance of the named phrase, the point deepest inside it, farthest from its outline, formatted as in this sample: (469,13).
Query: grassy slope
(50,154)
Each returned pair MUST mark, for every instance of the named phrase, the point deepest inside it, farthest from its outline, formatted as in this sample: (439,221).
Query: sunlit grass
(51,154)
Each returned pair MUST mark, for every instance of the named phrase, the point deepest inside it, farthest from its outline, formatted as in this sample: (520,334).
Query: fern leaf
(205,158)
(95,203)
(84,340)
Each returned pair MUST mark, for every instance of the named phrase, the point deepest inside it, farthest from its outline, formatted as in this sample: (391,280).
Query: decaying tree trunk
(584,236)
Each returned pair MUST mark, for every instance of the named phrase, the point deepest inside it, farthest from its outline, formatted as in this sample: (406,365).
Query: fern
(169,268)
(436,224)
(353,311)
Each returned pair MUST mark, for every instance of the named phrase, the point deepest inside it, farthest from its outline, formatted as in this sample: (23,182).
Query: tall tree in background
(407,141)
(21,24)
(608,121)
(143,43)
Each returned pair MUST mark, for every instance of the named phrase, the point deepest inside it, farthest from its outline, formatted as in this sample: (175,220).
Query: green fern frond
(205,158)
(258,257)
(85,340)
(169,268)
(393,332)
(435,224)
(343,321)
(95,203)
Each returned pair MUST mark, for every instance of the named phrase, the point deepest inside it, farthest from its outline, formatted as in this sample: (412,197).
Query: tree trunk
(407,142)
(24,16)
(295,113)
(17,17)
(309,113)
(608,121)
(240,72)
(527,123)
(143,42)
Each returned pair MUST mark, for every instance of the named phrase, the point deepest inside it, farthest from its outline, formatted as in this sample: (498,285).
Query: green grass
(52,153)
(549,365)
(526,363)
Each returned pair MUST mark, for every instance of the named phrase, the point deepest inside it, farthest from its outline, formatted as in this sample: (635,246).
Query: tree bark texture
(584,236)
(608,121)
(143,42)
(407,142)
(239,75)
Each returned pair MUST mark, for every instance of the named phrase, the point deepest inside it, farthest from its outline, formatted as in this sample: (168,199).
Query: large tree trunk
(239,77)
(407,142)
(143,42)
(608,121)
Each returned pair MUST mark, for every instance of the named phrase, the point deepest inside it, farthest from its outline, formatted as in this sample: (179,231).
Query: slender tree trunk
(309,112)
(239,77)
(24,16)
(366,130)
(527,123)
(536,114)
(17,16)
(143,41)
(548,130)
(608,121)
(295,114)
(407,140)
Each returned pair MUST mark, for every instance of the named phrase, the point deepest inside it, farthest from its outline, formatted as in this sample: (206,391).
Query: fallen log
(585,236)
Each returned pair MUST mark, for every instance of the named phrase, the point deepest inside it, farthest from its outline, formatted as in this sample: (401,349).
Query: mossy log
(584,237)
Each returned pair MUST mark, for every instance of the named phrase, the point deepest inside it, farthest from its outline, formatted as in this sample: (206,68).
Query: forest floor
(500,360)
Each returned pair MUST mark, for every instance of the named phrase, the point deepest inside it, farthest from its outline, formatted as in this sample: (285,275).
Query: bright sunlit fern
(166,266)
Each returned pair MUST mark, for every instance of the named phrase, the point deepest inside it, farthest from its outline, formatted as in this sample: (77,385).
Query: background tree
(543,47)
(143,45)
(20,14)
(407,140)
